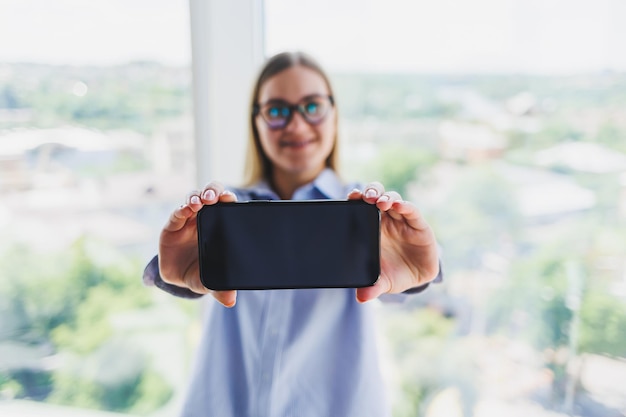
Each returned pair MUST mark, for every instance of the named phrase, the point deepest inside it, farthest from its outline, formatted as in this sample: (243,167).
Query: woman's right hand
(178,244)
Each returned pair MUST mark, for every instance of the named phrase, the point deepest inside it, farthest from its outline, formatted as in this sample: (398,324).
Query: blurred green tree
(62,305)
(480,215)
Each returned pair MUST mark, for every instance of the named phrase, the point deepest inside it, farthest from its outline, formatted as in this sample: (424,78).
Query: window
(95,145)
(503,122)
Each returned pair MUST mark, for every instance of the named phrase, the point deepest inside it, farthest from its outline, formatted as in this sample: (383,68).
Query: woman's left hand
(408,248)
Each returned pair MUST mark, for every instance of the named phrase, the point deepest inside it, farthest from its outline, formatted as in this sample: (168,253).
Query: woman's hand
(178,244)
(409,256)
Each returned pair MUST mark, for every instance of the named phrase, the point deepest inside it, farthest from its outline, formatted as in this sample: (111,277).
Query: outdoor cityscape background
(504,121)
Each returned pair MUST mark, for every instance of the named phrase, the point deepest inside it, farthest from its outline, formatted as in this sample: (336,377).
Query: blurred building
(583,157)
(57,185)
(592,160)
(43,158)
(470,142)
(172,146)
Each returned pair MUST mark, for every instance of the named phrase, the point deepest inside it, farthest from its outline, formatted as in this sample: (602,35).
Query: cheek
(266,136)
(328,131)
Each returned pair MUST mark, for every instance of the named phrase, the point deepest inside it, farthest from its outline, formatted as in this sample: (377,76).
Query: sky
(536,36)
(94,32)
(531,36)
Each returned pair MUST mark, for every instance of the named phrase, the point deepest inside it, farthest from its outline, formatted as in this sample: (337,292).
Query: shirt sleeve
(152,278)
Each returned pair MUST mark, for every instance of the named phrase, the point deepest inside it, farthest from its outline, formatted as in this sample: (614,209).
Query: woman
(293,352)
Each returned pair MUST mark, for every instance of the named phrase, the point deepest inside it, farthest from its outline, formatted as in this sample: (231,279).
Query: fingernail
(209,195)
(355,190)
(371,193)
(195,200)
(384,198)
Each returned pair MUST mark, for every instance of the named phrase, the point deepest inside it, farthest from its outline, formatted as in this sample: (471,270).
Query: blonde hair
(257,165)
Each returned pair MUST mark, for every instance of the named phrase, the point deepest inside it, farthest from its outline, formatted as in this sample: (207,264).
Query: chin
(303,169)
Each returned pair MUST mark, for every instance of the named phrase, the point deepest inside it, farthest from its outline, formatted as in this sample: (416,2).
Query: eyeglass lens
(278,113)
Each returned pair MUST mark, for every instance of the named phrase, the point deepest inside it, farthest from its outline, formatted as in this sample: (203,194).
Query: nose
(297,122)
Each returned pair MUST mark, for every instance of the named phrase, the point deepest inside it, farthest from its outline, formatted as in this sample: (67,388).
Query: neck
(285,184)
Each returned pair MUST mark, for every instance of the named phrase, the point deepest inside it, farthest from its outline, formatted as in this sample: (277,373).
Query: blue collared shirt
(289,353)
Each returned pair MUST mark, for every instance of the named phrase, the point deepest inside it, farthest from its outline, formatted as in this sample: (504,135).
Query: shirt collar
(327,184)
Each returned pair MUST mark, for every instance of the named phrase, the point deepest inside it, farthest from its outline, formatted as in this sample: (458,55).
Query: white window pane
(503,121)
(96,148)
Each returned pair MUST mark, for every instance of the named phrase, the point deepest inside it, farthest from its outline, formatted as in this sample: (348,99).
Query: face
(299,149)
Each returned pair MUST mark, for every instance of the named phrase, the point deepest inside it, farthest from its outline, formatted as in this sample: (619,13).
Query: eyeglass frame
(293,108)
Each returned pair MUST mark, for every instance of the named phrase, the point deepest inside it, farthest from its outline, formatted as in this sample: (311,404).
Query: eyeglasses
(278,113)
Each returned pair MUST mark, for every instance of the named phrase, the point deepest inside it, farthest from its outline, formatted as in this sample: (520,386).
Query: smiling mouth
(295,144)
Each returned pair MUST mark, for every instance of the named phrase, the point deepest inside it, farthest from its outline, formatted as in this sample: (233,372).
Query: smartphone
(281,244)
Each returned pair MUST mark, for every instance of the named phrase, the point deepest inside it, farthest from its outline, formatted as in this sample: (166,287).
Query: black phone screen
(289,244)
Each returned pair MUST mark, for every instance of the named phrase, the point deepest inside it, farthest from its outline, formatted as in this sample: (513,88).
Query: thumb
(381,286)
(226,298)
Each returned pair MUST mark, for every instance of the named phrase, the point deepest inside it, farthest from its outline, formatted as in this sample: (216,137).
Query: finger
(385,201)
(227,197)
(226,298)
(394,215)
(194,201)
(382,286)
(410,214)
(178,218)
(373,191)
(211,192)
(355,194)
